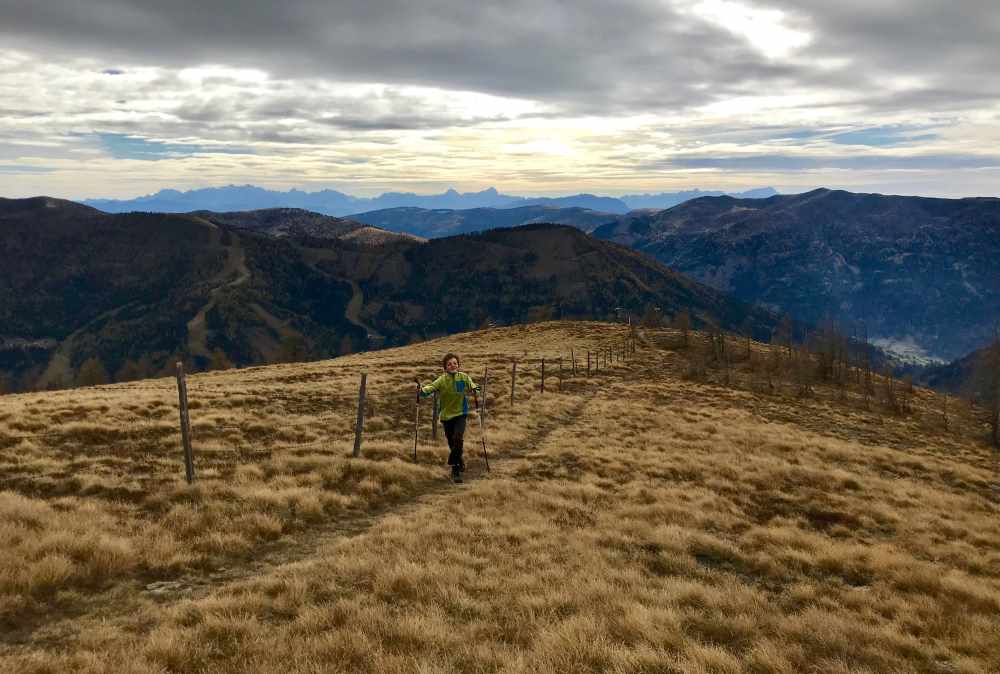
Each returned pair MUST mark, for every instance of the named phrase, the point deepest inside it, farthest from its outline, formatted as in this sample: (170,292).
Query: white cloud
(765,29)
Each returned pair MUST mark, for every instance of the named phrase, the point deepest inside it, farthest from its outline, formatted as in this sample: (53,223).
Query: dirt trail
(59,371)
(353,311)
(235,264)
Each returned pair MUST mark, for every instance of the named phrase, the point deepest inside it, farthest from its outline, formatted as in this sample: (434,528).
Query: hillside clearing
(634,521)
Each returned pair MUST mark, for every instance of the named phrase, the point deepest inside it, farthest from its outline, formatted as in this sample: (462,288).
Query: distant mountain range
(332,202)
(87,296)
(921,273)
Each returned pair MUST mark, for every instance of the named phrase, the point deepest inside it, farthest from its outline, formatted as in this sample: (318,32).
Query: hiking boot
(456,475)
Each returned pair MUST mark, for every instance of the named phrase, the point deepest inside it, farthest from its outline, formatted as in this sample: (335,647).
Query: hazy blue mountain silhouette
(331,202)
(669,199)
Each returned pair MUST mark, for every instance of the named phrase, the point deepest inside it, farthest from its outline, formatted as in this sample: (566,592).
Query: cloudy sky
(118,98)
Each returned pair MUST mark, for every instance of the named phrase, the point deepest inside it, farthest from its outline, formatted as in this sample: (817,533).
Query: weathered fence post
(572,358)
(359,427)
(588,363)
(434,416)
(416,421)
(513,380)
(543,375)
(560,373)
(182,396)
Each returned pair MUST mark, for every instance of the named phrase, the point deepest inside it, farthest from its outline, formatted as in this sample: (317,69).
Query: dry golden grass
(634,522)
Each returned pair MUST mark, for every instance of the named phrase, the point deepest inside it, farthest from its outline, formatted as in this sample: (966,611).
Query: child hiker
(452,388)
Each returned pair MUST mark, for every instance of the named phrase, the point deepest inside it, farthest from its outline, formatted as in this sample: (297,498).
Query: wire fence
(526,371)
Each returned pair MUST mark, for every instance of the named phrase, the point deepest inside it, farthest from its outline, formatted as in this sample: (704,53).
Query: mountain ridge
(914,268)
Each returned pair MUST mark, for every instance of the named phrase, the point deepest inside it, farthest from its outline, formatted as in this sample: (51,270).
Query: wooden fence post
(588,363)
(513,381)
(543,375)
(560,373)
(572,357)
(360,426)
(182,396)
(434,416)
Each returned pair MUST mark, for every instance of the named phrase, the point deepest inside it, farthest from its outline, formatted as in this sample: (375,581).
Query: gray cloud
(589,55)
(950,48)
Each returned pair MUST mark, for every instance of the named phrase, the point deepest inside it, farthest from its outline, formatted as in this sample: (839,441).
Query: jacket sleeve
(427,391)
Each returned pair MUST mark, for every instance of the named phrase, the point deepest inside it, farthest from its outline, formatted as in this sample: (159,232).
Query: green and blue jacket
(453,390)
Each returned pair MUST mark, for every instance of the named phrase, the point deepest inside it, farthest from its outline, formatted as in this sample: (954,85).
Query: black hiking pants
(454,430)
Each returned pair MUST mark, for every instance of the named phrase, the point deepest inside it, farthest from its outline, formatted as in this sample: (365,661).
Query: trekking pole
(482,426)
(416,420)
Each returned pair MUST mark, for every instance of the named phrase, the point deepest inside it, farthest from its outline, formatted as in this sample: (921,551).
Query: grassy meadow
(653,517)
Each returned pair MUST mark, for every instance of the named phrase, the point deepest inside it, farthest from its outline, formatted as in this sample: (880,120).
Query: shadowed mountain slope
(515,275)
(916,270)
(131,293)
